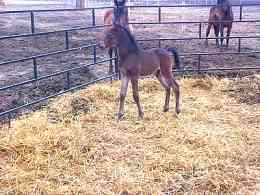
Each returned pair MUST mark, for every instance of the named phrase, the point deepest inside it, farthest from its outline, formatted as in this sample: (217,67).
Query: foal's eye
(109,35)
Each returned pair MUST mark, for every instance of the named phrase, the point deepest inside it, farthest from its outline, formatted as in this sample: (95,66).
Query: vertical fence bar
(67,39)
(240,12)
(93,17)
(9,119)
(117,65)
(159,14)
(32,22)
(200,30)
(239,45)
(159,43)
(68,80)
(199,59)
(111,66)
(94,54)
(35,69)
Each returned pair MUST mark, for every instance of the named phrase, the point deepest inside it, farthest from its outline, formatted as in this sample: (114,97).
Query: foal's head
(119,3)
(112,37)
(119,11)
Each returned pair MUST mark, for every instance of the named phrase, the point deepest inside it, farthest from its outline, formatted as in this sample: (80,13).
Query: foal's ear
(115,2)
(119,2)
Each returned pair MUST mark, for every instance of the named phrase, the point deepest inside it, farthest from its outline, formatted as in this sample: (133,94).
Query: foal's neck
(127,46)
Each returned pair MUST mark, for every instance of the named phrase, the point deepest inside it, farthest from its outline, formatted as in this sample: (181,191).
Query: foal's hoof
(165,109)
(120,116)
(141,115)
(178,111)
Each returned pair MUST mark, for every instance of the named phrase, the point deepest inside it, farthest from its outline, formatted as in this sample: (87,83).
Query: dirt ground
(12,49)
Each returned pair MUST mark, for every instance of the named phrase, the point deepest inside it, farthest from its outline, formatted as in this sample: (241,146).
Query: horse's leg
(134,82)
(228,33)
(216,31)
(167,90)
(110,53)
(221,34)
(207,32)
(176,89)
(123,91)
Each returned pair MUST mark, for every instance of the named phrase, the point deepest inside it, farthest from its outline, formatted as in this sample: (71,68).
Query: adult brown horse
(220,17)
(136,62)
(118,15)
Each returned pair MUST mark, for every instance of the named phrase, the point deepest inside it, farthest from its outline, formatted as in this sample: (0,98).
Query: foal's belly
(150,63)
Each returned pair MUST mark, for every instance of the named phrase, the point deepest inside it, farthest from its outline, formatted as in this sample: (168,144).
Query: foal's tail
(176,57)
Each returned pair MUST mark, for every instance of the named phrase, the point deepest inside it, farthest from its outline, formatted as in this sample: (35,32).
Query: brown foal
(220,17)
(136,62)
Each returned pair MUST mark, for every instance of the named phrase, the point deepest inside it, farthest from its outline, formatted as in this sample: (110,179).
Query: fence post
(93,17)
(35,71)
(94,54)
(239,44)
(67,39)
(159,15)
(9,119)
(240,12)
(111,68)
(199,59)
(68,80)
(117,65)
(159,43)
(200,30)
(32,22)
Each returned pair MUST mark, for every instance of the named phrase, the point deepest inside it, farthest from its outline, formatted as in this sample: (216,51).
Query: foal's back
(152,60)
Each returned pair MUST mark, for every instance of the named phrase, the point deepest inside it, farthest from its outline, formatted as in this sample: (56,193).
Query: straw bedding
(76,146)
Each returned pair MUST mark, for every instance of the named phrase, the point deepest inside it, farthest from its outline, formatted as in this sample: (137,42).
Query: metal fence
(7,114)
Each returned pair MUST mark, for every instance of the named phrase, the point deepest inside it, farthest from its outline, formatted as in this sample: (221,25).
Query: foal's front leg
(123,91)
(134,82)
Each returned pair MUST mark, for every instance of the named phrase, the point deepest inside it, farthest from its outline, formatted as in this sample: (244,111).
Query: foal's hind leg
(176,88)
(167,88)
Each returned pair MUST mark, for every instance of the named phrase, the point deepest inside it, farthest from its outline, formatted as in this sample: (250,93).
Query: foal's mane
(133,46)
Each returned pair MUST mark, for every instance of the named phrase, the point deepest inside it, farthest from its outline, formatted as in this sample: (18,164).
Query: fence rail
(68,48)
(132,6)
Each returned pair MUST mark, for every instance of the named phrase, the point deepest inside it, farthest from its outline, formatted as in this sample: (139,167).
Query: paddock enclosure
(72,144)
(47,52)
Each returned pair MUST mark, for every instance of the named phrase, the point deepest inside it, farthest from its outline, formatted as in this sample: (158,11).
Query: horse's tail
(176,57)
